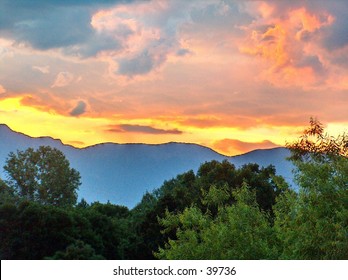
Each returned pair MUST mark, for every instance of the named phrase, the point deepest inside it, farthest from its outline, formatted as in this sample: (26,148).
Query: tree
(208,190)
(239,231)
(30,230)
(316,145)
(43,175)
(77,251)
(6,193)
(313,224)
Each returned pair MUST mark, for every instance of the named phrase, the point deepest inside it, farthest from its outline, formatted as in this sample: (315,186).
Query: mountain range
(122,173)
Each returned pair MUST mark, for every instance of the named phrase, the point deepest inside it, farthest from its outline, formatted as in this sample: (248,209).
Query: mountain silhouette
(122,173)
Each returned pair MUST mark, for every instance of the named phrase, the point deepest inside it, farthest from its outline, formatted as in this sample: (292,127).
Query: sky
(231,75)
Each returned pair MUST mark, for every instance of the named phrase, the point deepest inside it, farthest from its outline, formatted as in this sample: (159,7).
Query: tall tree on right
(313,224)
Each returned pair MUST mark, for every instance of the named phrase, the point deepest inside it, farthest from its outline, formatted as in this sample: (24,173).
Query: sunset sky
(231,75)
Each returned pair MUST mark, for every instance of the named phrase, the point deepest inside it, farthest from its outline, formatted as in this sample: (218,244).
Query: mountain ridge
(115,143)
(122,173)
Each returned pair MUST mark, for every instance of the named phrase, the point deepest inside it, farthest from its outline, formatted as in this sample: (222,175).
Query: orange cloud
(44,102)
(234,146)
(289,44)
(202,122)
(2,89)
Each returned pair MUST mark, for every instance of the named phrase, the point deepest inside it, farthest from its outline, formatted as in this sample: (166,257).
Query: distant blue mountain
(122,173)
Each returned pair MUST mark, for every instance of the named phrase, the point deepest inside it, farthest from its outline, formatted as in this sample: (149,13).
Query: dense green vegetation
(43,175)
(220,212)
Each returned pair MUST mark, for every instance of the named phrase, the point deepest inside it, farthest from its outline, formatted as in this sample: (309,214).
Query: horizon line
(134,143)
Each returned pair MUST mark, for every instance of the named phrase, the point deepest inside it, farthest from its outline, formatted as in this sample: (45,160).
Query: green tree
(32,231)
(239,231)
(43,175)
(76,251)
(224,175)
(313,224)
(208,191)
(6,193)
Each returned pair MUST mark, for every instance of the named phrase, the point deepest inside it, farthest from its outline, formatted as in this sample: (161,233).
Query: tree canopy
(43,175)
(239,231)
(313,224)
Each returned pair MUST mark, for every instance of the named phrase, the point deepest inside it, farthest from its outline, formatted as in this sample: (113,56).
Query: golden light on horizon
(93,131)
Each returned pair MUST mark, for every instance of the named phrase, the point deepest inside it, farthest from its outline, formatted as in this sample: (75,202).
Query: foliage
(239,231)
(32,231)
(216,197)
(29,230)
(208,190)
(316,145)
(76,251)
(43,175)
(258,223)
(6,193)
(314,223)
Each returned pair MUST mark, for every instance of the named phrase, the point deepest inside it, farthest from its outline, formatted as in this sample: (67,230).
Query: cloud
(56,28)
(137,36)
(216,69)
(312,61)
(145,34)
(50,24)
(300,43)
(183,52)
(63,79)
(333,36)
(42,69)
(77,143)
(214,121)
(2,89)
(141,129)
(71,27)
(226,15)
(290,44)
(156,31)
(45,102)
(336,38)
(141,64)
(234,146)
(79,109)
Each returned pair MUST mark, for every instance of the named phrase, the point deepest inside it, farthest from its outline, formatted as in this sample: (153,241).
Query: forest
(218,212)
